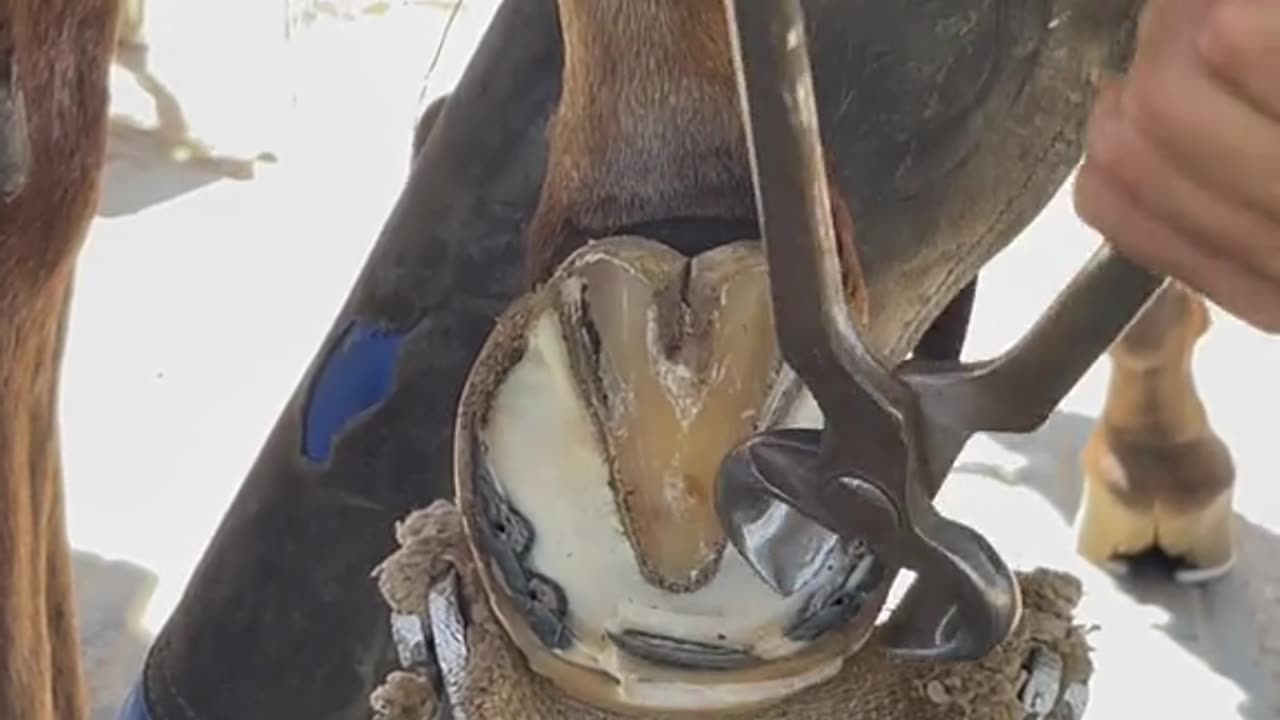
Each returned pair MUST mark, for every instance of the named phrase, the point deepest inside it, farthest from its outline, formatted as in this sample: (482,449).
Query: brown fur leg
(70,697)
(54,56)
(40,670)
(1156,476)
(614,164)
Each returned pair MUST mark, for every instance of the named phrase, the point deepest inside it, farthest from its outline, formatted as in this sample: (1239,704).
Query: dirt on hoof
(474,669)
(404,696)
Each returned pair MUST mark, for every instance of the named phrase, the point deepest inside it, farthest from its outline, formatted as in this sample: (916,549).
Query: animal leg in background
(1157,478)
(54,56)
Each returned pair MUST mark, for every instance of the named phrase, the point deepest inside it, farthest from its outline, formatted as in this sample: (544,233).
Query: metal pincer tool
(890,437)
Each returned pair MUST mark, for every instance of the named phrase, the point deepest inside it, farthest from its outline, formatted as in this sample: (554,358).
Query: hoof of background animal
(1157,479)
(1114,532)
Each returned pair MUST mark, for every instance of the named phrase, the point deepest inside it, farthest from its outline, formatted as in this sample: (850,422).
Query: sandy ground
(202,298)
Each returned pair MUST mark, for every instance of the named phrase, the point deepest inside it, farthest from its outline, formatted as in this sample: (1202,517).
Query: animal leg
(1157,477)
(53,106)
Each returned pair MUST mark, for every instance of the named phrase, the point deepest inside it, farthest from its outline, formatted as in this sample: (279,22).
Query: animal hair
(54,60)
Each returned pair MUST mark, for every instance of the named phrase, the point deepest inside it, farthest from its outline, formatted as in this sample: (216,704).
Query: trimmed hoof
(584,556)
(589,437)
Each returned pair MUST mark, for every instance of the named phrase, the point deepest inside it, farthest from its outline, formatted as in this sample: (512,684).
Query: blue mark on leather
(135,705)
(357,375)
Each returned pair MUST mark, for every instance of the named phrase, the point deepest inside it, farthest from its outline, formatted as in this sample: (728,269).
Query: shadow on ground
(137,175)
(1232,625)
(111,596)
(154,159)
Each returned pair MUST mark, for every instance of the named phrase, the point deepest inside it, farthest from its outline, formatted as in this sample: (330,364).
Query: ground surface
(202,298)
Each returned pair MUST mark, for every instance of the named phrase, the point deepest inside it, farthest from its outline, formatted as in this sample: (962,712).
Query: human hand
(1182,158)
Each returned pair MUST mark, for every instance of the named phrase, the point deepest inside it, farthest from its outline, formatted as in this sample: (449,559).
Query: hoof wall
(1191,547)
